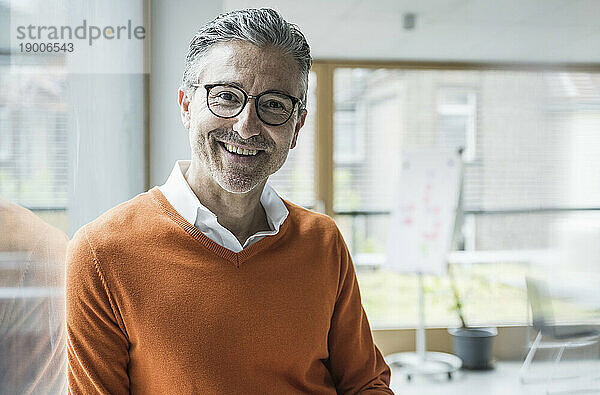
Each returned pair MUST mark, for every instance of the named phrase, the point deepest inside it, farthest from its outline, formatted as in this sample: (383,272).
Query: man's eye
(227,96)
(273,104)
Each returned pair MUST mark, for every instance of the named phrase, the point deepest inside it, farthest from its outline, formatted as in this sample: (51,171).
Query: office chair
(561,337)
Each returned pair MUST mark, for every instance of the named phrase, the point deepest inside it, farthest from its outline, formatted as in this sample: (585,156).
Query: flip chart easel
(422,230)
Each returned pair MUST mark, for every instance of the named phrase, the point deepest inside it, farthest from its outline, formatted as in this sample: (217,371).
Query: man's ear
(298,126)
(184,104)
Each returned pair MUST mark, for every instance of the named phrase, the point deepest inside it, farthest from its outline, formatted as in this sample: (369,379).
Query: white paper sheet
(424,214)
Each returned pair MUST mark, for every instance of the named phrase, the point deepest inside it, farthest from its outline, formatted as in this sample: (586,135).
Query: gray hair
(261,27)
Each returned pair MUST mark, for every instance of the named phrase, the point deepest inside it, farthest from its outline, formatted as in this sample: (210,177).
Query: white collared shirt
(184,200)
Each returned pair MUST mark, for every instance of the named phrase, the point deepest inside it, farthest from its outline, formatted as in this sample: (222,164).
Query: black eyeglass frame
(294,100)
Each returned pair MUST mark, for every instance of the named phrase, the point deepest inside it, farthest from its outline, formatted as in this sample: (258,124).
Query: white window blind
(33,137)
(532,140)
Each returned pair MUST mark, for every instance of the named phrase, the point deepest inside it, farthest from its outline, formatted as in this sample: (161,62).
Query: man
(212,283)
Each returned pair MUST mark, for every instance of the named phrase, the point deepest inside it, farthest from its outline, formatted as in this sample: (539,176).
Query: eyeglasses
(228,101)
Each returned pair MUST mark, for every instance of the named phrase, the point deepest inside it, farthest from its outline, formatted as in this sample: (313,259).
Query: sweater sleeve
(355,363)
(97,347)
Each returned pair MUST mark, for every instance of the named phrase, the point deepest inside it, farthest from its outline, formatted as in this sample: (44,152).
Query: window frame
(324,140)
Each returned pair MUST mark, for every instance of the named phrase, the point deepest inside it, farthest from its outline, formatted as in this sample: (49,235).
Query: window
(531,147)
(33,144)
(457,120)
(350,118)
(33,175)
(367,123)
(71,146)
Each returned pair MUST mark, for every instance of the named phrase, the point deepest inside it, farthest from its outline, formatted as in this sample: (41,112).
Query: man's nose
(247,123)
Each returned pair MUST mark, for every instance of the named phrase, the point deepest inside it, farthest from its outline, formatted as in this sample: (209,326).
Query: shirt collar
(178,192)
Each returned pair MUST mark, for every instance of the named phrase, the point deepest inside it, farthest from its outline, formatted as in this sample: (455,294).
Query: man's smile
(239,150)
(239,154)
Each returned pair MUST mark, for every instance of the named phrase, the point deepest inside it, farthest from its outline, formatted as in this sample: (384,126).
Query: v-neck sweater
(156,307)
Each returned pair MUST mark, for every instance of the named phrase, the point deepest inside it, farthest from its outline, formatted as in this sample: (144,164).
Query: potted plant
(471,344)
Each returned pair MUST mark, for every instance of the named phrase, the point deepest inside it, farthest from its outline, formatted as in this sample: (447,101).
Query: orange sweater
(156,307)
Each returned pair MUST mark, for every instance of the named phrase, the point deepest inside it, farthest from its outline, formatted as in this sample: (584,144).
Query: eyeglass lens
(272,107)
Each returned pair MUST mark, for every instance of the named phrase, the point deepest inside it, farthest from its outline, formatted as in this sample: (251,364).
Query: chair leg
(554,367)
(529,358)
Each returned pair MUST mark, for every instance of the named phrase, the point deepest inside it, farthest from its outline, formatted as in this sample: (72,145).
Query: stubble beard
(233,180)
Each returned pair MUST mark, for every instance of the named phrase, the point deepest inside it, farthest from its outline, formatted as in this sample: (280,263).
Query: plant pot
(474,346)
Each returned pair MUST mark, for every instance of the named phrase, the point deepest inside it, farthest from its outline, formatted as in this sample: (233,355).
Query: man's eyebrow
(238,85)
(232,83)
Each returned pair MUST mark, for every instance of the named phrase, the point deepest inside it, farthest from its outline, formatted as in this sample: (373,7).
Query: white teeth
(240,151)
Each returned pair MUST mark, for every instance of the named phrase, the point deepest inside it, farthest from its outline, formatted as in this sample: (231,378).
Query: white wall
(106,143)
(106,119)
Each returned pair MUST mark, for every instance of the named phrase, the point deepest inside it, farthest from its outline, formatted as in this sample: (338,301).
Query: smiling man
(212,283)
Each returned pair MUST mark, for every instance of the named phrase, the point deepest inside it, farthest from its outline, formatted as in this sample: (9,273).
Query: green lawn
(491,294)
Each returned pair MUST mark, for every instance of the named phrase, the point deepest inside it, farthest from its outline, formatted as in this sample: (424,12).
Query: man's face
(255,70)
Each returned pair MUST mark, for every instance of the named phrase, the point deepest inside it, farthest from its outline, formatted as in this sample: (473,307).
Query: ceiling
(465,30)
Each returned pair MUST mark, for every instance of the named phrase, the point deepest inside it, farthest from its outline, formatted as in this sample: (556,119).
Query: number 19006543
(46,47)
